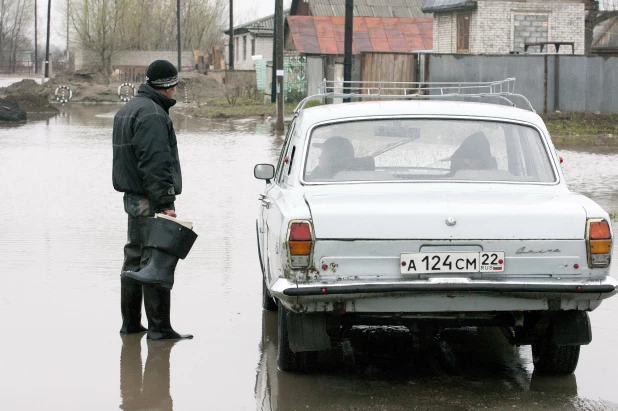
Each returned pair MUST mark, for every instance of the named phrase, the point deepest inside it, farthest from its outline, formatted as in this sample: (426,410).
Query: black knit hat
(161,74)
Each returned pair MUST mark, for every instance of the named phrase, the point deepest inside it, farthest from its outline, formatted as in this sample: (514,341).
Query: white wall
(263,47)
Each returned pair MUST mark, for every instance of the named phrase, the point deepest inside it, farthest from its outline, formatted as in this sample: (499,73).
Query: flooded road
(61,242)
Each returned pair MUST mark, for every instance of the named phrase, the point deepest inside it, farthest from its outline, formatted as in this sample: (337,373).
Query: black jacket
(145,151)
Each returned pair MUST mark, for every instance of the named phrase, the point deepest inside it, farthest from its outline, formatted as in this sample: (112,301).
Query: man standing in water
(147,169)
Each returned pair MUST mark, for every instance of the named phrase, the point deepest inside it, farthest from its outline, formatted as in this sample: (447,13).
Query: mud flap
(307,332)
(571,328)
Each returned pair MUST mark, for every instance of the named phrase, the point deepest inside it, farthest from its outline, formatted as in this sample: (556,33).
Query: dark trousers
(135,257)
(138,210)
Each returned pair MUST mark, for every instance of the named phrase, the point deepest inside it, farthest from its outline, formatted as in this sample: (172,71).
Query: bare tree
(15,18)
(597,11)
(99,28)
(202,23)
(105,27)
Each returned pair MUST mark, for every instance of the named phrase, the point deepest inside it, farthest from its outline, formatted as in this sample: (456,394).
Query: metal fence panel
(585,84)
(572,73)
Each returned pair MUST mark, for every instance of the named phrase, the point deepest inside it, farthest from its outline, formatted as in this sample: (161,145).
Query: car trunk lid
(441,215)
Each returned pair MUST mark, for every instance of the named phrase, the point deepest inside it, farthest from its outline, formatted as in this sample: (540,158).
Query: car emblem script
(451,221)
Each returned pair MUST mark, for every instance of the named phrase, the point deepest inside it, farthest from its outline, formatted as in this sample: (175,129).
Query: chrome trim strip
(604,287)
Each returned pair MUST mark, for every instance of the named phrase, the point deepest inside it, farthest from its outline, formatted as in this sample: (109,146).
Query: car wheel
(287,360)
(551,358)
(268,303)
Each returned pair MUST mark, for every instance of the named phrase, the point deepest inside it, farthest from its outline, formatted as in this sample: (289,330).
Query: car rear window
(427,149)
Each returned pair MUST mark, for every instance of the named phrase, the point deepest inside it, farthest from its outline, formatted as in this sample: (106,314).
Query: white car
(428,214)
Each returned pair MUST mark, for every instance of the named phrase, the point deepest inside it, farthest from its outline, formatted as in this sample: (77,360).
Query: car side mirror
(264,172)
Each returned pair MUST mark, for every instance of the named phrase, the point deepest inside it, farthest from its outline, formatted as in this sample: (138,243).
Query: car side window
(287,167)
(284,152)
(291,159)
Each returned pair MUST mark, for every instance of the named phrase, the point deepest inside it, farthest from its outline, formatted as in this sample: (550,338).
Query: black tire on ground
(287,360)
(268,303)
(551,358)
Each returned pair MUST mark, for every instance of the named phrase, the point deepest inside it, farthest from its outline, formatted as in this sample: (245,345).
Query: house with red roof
(315,32)
(314,37)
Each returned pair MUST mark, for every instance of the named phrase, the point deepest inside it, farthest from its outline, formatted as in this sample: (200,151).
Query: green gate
(295,79)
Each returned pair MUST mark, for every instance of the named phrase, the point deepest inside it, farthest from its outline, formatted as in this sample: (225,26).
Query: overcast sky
(244,11)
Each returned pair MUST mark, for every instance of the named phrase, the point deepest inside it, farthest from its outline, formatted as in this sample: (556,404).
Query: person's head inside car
(336,155)
(474,153)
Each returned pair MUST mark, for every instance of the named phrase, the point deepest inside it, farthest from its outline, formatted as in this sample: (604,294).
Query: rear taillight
(599,243)
(300,243)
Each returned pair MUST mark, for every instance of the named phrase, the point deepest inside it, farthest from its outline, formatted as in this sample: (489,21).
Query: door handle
(266,203)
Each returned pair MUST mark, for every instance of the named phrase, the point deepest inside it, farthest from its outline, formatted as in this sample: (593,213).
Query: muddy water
(61,241)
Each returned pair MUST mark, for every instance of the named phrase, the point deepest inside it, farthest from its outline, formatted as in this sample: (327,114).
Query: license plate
(426,263)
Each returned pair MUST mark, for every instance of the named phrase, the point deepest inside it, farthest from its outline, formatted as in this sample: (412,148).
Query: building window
(463,33)
(253,47)
(244,47)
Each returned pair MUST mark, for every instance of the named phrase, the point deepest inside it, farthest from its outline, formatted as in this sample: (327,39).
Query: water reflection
(382,368)
(152,391)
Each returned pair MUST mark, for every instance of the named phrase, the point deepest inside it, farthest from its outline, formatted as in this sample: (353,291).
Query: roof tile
(360,26)
(398,45)
(378,33)
(328,45)
(326,35)
(373,22)
(310,44)
(410,29)
(379,44)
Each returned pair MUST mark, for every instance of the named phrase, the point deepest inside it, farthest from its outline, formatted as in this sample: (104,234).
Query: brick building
(502,27)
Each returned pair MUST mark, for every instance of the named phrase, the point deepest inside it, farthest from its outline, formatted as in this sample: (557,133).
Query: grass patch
(613,216)
(574,124)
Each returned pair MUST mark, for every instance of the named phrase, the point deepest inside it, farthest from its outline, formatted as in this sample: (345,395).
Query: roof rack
(501,90)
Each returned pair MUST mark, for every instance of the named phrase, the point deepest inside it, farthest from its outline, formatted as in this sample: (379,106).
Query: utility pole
(178,34)
(273,76)
(279,65)
(68,7)
(231,45)
(36,50)
(47,45)
(347,47)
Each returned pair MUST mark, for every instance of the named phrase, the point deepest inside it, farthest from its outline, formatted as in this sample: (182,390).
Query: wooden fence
(388,67)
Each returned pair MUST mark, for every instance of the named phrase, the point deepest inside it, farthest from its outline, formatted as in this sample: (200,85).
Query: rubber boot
(156,389)
(131,306)
(157,301)
(167,241)
(159,270)
(131,372)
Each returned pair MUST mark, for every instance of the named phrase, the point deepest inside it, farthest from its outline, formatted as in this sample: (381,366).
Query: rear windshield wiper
(391,146)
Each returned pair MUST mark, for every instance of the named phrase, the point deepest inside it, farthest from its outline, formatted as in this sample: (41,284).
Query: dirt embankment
(86,87)
(29,96)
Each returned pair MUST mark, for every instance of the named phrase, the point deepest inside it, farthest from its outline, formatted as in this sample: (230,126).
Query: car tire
(268,303)
(287,360)
(551,358)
